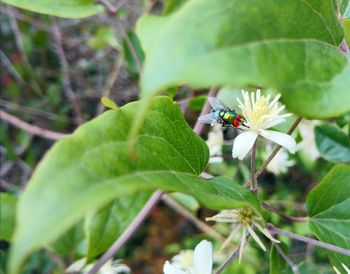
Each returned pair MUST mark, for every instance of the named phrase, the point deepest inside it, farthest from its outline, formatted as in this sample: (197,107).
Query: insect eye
(235,123)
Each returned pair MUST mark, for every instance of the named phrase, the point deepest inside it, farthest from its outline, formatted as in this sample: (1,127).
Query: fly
(222,114)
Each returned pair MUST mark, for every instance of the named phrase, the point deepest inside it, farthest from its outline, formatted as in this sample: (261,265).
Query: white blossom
(215,142)
(260,114)
(308,145)
(198,262)
(280,163)
(243,221)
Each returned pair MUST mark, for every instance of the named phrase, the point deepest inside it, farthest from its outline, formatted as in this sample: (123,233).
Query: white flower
(344,266)
(200,263)
(308,145)
(215,142)
(242,219)
(280,163)
(110,267)
(260,114)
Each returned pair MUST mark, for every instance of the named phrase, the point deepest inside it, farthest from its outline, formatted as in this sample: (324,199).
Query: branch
(232,256)
(276,149)
(65,71)
(292,265)
(111,80)
(282,214)
(184,212)
(340,250)
(128,232)
(34,130)
(253,184)
(198,127)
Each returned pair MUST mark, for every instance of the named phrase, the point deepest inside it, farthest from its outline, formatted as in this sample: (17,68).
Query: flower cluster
(260,114)
(243,220)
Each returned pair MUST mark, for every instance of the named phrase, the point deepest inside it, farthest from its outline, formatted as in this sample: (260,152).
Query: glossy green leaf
(59,8)
(332,143)
(328,207)
(8,204)
(94,167)
(104,37)
(255,44)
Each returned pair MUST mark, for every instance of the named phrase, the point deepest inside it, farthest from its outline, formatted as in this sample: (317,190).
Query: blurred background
(54,72)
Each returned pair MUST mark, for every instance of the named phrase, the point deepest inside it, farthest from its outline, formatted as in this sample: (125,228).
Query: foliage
(328,206)
(91,185)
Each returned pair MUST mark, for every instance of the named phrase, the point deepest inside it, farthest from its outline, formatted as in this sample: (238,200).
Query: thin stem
(111,80)
(253,184)
(292,265)
(340,250)
(188,215)
(65,71)
(198,127)
(276,149)
(128,232)
(231,257)
(282,214)
(108,6)
(34,130)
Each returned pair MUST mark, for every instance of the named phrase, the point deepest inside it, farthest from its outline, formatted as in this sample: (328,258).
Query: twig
(184,212)
(282,214)
(340,250)
(65,71)
(253,184)
(11,69)
(111,80)
(128,232)
(276,149)
(232,256)
(108,6)
(292,265)
(34,130)
(26,18)
(198,127)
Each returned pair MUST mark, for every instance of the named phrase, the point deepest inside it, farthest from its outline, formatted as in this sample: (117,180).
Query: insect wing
(210,118)
(216,104)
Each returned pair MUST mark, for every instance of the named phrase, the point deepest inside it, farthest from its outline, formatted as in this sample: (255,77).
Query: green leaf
(328,207)
(277,263)
(133,53)
(108,103)
(59,8)
(7,215)
(254,44)
(106,225)
(332,143)
(104,37)
(94,167)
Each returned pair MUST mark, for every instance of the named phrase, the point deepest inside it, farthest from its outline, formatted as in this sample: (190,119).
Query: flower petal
(228,240)
(274,122)
(243,143)
(256,238)
(242,245)
(280,138)
(266,233)
(203,258)
(169,269)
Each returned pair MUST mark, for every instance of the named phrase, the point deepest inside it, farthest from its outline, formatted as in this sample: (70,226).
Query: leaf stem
(234,254)
(282,214)
(253,184)
(288,260)
(277,148)
(340,250)
(128,232)
(198,127)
